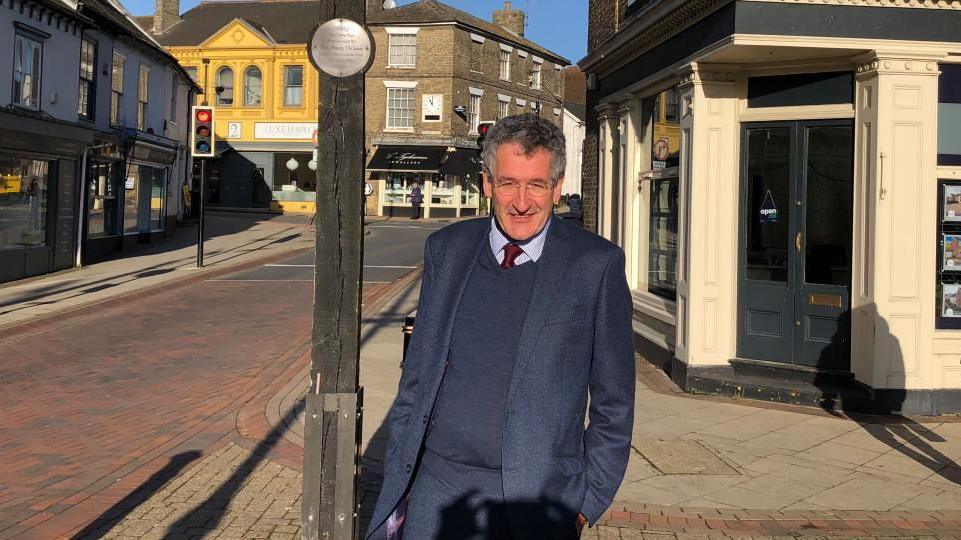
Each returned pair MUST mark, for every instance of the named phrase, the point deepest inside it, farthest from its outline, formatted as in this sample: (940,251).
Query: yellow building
(251,60)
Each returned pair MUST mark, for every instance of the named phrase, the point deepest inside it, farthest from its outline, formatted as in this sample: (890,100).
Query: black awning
(463,162)
(407,158)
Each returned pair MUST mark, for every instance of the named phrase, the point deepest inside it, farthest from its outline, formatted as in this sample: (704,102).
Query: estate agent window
(27,66)
(665,154)
(88,74)
(253,86)
(116,88)
(23,202)
(400,108)
(293,86)
(225,86)
(402,50)
(143,85)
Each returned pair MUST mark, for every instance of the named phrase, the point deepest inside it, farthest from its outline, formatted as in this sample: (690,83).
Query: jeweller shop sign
(284,130)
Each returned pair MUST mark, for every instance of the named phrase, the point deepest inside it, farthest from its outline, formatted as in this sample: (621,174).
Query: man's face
(521,214)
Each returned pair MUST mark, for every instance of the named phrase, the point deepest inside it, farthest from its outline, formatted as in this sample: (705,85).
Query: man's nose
(522,200)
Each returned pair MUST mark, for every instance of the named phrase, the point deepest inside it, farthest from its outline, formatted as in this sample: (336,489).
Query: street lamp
(291,166)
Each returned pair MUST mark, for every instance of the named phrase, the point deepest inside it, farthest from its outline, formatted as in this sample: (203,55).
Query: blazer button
(407,468)
(425,419)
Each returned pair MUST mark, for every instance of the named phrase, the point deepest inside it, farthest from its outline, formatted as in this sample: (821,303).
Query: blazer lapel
(547,283)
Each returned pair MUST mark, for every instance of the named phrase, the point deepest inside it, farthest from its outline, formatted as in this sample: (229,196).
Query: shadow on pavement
(209,514)
(99,526)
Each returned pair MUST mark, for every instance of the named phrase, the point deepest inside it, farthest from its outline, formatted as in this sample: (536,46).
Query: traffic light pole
(200,223)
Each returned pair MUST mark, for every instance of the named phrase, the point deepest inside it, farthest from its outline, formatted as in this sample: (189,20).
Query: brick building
(438,73)
(780,174)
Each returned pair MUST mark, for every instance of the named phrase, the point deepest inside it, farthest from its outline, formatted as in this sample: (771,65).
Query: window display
(23,202)
(949,257)
(443,192)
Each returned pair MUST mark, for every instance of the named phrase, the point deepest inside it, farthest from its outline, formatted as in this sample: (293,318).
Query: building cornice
(922,4)
(646,29)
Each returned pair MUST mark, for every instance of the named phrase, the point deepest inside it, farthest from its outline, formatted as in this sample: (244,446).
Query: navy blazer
(576,339)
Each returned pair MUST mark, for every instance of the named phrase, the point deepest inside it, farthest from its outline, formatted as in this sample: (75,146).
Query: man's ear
(488,188)
(558,190)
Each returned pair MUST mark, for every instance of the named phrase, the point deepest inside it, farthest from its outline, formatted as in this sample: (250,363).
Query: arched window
(225,86)
(253,86)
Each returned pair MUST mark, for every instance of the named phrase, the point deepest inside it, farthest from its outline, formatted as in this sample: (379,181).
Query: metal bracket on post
(326,414)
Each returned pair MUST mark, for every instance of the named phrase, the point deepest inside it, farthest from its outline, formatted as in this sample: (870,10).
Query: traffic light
(202,132)
(482,130)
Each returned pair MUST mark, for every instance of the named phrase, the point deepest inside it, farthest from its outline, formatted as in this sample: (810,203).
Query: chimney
(376,6)
(167,14)
(511,20)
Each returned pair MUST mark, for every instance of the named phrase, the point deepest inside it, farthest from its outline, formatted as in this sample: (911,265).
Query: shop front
(275,177)
(103,224)
(149,172)
(39,161)
(449,179)
(787,196)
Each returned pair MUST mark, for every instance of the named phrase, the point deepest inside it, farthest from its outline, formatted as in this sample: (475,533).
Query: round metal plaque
(340,48)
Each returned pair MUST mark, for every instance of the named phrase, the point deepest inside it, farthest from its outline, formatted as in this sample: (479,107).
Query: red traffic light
(482,129)
(203,115)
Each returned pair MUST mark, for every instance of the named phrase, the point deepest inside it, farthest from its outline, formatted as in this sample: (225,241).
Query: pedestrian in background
(416,199)
(521,317)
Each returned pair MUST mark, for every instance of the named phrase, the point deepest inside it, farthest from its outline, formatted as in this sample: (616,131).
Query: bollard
(408,329)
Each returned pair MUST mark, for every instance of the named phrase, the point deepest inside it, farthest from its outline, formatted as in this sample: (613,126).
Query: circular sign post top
(340,48)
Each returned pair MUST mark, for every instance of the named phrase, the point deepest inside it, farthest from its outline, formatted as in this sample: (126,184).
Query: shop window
(225,86)
(131,199)
(293,86)
(397,189)
(143,89)
(949,255)
(505,65)
(24,187)
(158,198)
(116,88)
(27,69)
(402,50)
(253,86)
(103,206)
(949,115)
(442,193)
(469,191)
(88,78)
(665,142)
(400,108)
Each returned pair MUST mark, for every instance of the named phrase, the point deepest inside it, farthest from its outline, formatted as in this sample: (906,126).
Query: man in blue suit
(521,318)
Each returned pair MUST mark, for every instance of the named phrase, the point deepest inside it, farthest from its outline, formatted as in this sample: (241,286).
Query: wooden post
(332,420)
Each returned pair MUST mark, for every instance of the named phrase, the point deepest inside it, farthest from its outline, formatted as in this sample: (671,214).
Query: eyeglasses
(534,189)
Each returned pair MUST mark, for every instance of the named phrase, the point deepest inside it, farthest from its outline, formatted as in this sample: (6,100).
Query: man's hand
(581,521)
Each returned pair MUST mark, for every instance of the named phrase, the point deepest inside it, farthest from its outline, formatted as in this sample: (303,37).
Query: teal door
(795,243)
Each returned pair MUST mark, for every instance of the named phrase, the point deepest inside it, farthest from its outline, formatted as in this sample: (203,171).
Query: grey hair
(532,133)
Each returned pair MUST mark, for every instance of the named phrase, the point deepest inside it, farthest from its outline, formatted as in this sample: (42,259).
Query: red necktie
(511,252)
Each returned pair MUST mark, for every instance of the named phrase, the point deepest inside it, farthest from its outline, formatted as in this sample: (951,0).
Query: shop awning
(407,159)
(462,162)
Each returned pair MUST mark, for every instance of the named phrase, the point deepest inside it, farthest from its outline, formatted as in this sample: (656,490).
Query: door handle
(797,242)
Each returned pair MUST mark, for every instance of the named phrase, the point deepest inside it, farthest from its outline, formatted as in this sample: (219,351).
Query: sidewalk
(701,467)
(230,240)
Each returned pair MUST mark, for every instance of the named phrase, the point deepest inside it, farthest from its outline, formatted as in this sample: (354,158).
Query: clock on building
(432,106)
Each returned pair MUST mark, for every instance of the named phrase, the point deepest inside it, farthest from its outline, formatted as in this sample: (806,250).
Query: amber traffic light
(202,132)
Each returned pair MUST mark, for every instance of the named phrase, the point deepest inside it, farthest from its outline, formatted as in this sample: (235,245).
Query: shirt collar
(533,247)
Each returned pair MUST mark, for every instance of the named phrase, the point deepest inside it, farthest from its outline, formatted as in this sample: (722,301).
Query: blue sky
(559,25)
